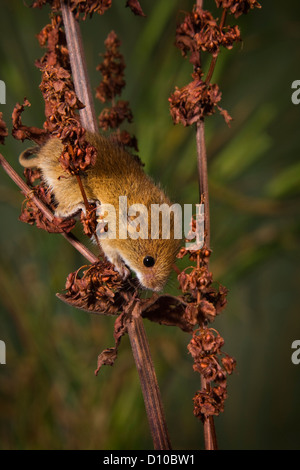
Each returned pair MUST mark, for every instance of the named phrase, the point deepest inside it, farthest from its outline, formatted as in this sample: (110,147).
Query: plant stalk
(210,439)
(136,331)
(203,178)
(149,385)
(28,193)
(79,69)
(214,59)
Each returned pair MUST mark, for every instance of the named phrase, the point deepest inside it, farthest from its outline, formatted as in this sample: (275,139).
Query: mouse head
(151,260)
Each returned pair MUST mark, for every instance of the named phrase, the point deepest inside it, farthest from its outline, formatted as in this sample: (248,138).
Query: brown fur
(116,173)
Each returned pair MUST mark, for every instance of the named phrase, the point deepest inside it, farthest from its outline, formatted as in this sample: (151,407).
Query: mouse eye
(149,261)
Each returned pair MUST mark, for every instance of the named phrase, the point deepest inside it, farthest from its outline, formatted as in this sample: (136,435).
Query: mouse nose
(151,282)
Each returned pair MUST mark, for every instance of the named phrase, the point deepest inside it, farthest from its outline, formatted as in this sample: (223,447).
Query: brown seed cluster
(89,7)
(200,31)
(89,220)
(112,69)
(97,288)
(20,131)
(112,118)
(214,366)
(112,84)
(61,102)
(204,300)
(238,7)
(84,7)
(195,101)
(32,215)
(3,130)
(62,121)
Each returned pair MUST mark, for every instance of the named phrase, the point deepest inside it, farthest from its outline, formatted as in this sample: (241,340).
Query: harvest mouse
(116,173)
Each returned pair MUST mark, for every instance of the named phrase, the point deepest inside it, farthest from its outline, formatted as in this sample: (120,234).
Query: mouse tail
(26,159)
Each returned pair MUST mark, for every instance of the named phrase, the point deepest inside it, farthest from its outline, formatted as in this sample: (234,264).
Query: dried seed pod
(200,32)
(206,350)
(238,7)
(112,69)
(3,130)
(195,101)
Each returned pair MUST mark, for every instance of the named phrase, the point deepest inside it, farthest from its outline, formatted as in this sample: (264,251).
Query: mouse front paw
(68,210)
(122,270)
(114,257)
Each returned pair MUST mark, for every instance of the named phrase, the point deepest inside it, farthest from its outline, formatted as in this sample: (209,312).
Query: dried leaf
(135,7)
(108,356)
(22,132)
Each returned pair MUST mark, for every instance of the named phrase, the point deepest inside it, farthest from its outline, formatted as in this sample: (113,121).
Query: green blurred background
(49,396)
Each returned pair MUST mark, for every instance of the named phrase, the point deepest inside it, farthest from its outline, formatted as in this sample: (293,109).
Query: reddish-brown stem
(214,59)
(149,385)
(136,331)
(198,291)
(223,18)
(82,249)
(28,193)
(210,439)
(78,65)
(86,202)
(24,188)
(203,178)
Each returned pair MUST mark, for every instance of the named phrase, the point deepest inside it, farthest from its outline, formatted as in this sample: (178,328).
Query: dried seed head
(78,7)
(3,130)
(32,215)
(135,7)
(89,220)
(238,7)
(99,289)
(112,69)
(205,348)
(111,118)
(22,132)
(200,32)
(194,102)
